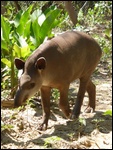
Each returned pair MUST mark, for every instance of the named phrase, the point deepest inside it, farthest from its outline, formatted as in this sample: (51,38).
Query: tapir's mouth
(26,97)
(18,103)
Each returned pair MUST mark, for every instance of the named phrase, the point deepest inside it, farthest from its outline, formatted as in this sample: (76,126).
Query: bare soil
(91,131)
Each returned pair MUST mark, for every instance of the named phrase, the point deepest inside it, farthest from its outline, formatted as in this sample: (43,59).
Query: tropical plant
(23,34)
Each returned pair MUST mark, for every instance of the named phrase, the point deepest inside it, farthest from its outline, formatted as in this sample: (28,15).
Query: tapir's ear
(40,63)
(19,63)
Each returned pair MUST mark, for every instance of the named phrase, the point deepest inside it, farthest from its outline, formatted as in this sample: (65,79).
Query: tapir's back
(78,48)
(71,43)
(76,40)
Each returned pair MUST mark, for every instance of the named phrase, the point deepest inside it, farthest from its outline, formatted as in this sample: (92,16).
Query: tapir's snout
(19,98)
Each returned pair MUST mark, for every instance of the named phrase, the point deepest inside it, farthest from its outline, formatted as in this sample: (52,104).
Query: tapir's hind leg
(91,89)
(82,89)
(63,103)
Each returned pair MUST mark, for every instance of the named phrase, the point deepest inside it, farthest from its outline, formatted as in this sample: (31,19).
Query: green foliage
(98,22)
(55,94)
(104,43)
(97,15)
(50,140)
(23,34)
(5,77)
(82,121)
(108,112)
(6,127)
(97,123)
(102,119)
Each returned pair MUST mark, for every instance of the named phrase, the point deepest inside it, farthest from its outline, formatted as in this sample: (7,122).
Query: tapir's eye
(31,85)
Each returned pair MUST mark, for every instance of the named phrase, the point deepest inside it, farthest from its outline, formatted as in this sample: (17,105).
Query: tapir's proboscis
(55,64)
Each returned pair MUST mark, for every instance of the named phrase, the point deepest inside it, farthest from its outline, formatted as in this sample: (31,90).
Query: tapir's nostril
(16,104)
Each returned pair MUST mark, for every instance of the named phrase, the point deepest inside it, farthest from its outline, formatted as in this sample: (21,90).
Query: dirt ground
(91,131)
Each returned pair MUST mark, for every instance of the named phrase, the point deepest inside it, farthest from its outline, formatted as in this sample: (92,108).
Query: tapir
(55,64)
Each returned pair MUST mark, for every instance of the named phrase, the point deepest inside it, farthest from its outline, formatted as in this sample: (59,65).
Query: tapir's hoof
(68,116)
(73,117)
(42,127)
(89,110)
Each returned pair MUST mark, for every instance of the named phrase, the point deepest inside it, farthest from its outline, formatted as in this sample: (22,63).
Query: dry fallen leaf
(7,103)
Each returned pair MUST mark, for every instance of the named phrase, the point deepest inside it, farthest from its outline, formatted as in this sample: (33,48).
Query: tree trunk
(72,13)
(17,6)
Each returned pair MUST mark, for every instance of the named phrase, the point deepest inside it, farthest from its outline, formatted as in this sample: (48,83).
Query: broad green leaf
(17,18)
(36,29)
(22,41)
(47,24)
(4,45)
(31,43)
(20,28)
(25,51)
(57,22)
(6,62)
(17,50)
(16,37)
(41,19)
(27,29)
(5,25)
(2,34)
(25,17)
(49,10)
(35,15)
(33,40)
(21,51)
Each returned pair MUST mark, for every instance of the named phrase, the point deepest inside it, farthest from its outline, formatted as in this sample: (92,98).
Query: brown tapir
(55,64)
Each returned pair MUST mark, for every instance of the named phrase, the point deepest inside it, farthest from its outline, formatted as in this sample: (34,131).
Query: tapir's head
(31,79)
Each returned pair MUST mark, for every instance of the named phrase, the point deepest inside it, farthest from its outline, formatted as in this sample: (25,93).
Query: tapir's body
(55,64)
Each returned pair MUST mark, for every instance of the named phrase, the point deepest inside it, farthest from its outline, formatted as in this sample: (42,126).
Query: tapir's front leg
(63,103)
(45,95)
